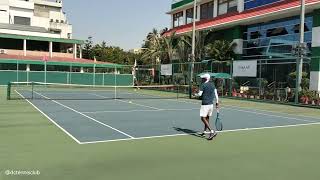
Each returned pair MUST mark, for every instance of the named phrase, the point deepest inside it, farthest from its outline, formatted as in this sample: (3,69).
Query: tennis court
(82,138)
(93,115)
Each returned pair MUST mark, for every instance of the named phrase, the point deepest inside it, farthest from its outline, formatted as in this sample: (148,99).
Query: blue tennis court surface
(93,121)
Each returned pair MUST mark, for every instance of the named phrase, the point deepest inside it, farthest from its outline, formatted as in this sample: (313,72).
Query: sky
(123,23)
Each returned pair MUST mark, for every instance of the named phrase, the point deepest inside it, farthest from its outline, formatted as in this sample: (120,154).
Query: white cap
(205,76)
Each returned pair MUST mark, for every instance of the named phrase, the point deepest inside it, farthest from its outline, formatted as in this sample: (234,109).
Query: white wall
(238,49)
(4,13)
(315,81)
(21,4)
(40,22)
(26,9)
(20,12)
(316,37)
(28,33)
(57,14)
(4,2)
(240,5)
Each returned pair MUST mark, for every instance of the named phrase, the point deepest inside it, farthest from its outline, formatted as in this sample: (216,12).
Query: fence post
(9,91)
(103,78)
(231,78)
(17,71)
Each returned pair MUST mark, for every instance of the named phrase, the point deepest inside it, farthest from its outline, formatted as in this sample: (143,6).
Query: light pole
(192,58)
(301,52)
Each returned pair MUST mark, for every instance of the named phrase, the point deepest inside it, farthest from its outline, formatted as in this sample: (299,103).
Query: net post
(32,89)
(190,81)
(115,82)
(178,91)
(9,91)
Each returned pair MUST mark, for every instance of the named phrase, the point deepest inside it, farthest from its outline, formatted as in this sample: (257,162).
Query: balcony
(21,4)
(52,3)
(179,3)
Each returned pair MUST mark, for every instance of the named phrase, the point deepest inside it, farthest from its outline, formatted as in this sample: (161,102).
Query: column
(184,17)
(240,5)
(198,12)
(80,49)
(215,8)
(28,67)
(74,51)
(50,49)
(237,35)
(28,70)
(81,70)
(315,62)
(171,21)
(25,47)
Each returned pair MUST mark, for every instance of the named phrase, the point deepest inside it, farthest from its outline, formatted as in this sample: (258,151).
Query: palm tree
(169,46)
(152,47)
(200,44)
(183,48)
(221,51)
(158,47)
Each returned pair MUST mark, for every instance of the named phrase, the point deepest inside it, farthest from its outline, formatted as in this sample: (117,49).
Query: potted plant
(317,101)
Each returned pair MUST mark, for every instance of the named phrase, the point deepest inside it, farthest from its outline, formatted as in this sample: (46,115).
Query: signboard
(245,69)
(166,69)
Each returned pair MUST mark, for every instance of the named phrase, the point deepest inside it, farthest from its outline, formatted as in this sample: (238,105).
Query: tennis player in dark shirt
(208,93)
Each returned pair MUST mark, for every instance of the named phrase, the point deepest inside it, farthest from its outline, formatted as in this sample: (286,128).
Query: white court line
(272,112)
(106,97)
(149,110)
(255,112)
(130,102)
(184,134)
(65,131)
(271,115)
(106,125)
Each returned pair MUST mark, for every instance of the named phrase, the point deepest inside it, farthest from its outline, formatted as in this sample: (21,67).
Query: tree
(158,47)
(183,48)
(220,51)
(87,52)
(105,53)
(199,44)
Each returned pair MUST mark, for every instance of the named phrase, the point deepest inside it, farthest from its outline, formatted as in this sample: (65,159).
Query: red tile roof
(53,59)
(247,14)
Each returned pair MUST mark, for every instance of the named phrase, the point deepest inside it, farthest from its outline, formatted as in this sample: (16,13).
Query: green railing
(7,76)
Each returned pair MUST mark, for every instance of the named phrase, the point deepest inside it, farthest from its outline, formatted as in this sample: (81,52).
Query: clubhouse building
(261,29)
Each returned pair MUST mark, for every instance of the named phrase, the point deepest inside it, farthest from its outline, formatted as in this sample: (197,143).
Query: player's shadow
(188,131)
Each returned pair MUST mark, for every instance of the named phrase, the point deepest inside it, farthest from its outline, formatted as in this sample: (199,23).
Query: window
(178,19)
(226,6)
(206,10)
(22,20)
(296,28)
(223,7)
(249,4)
(276,32)
(255,35)
(233,6)
(189,15)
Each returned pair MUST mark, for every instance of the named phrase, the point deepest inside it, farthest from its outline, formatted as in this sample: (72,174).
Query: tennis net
(55,91)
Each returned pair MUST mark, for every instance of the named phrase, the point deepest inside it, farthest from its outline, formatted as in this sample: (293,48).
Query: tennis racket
(218,123)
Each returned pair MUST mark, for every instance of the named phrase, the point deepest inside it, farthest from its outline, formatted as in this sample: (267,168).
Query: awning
(217,75)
